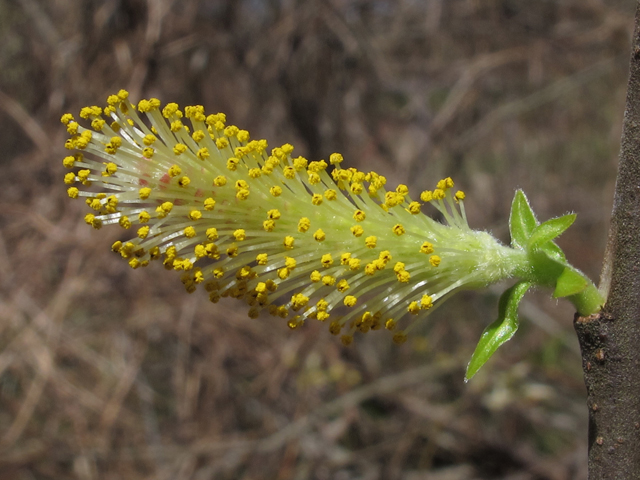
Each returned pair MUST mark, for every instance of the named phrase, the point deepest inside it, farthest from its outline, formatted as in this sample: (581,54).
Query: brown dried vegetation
(109,373)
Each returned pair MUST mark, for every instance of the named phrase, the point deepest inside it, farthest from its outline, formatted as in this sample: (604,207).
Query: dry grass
(107,373)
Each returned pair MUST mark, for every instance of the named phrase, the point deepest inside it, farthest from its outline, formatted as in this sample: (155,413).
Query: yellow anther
(434,260)
(342,286)
(357,188)
(198,136)
(354,264)
(262,259)
(398,229)
(290,262)
(289,172)
(275,191)
(459,195)
(242,194)
(335,158)
(69,178)
(330,194)
(189,232)
(144,217)
(328,280)
(414,208)
(209,204)
(68,161)
(220,181)
(359,216)
(232,163)
(426,302)
(344,258)
(426,248)
(315,276)
(319,236)
(195,215)
(413,308)
(316,199)
(399,338)
(438,194)
(232,251)
(314,178)
(184,182)
(426,196)
(445,183)
(390,324)
(283,273)
(240,234)
(371,241)
(212,234)
(269,225)
(179,148)
(66,118)
(124,222)
(143,232)
(398,267)
(326,260)
(350,301)
(288,242)
(403,276)
(300,163)
(174,171)
(273,214)
(304,224)
(243,136)
(203,153)
(148,152)
(357,230)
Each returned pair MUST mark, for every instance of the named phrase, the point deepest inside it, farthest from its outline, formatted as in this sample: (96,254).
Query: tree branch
(610,340)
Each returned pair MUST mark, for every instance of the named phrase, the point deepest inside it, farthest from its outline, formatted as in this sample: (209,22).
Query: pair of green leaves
(546,266)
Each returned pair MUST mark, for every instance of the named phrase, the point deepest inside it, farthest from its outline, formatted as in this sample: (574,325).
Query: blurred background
(109,373)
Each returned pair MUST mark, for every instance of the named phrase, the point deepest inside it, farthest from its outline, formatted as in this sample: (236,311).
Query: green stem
(588,301)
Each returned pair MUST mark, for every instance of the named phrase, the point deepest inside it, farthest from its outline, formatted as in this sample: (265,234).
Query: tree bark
(610,340)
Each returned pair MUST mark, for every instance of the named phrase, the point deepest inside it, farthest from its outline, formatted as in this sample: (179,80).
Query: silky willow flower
(301,240)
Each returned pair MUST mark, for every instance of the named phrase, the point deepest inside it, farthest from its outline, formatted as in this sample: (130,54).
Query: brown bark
(610,340)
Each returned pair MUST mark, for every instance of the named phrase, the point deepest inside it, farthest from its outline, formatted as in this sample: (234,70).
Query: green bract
(544,264)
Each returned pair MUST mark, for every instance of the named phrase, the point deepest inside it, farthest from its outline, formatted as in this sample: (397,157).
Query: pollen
(235,217)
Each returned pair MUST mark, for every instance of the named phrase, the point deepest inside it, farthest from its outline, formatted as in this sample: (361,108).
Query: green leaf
(522,220)
(569,283)
(549,230)
(555,252)
(499,331)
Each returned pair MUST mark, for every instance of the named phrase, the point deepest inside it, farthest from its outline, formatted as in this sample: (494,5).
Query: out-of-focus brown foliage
(110,373)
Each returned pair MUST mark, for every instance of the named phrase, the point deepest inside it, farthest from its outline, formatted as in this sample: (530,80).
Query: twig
(609,340)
